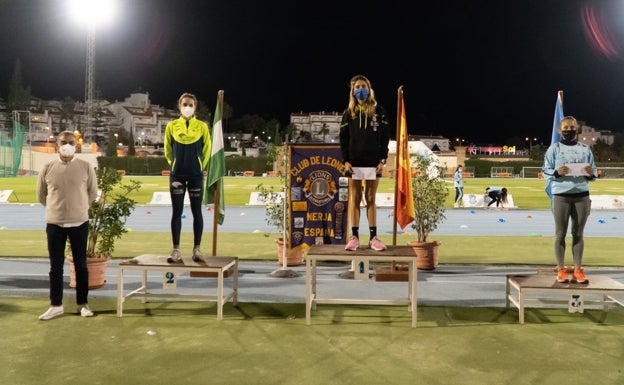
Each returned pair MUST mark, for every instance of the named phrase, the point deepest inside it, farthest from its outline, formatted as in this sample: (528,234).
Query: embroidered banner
(318,195)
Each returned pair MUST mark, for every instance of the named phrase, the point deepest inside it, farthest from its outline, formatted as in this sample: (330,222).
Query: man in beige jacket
(66,187)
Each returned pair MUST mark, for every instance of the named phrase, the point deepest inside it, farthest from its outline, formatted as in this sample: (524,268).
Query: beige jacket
(67,190)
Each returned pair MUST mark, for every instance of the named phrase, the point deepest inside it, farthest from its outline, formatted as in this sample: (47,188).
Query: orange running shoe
(579,276)
(562,275)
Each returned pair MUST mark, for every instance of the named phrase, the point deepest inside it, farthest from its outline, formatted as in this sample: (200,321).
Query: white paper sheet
(576,169)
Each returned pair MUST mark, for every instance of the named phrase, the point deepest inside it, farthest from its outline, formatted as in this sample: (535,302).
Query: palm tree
(323,131)
(66,110)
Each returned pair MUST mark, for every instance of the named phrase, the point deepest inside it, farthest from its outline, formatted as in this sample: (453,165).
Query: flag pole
(217,197)
(396,164)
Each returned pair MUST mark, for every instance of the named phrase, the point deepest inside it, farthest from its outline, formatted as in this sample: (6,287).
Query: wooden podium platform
(361,260)
(220,267)
(525,290)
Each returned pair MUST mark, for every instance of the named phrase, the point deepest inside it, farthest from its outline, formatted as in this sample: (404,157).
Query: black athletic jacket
(364,140)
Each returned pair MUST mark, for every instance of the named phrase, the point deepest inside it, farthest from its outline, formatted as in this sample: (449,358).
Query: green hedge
(482,166)
(154,165)
(135,165)
(245,163)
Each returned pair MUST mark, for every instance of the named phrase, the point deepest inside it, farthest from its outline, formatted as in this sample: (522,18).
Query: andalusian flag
(216,164)
(404,199)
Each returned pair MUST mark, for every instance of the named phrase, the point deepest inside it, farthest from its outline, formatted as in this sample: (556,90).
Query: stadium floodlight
(91,13)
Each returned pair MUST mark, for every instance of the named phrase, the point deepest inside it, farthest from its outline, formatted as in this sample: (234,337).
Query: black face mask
(568,136)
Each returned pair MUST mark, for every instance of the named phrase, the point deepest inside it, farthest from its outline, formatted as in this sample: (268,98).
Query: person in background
(459,186)
(497,195)
(364,137)
(66,187)
(187,150)
(569,166)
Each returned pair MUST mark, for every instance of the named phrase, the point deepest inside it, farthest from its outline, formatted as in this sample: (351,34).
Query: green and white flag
(216,166)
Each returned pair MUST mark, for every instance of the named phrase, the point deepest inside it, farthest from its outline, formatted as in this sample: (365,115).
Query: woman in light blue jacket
(568,167)
(459,186)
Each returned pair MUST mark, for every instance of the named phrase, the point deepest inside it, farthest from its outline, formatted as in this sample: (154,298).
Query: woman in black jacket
(364,137)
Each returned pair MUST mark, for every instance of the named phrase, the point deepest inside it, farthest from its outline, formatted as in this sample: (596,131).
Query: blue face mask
(361,94)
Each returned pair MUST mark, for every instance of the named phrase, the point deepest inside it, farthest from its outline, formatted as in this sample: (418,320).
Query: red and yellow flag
(405,199)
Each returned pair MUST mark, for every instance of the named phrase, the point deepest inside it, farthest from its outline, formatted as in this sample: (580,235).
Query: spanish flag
(404,198)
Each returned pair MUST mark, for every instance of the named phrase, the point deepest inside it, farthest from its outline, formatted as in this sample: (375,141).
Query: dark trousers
(57,241)
(177,188)
(459,194)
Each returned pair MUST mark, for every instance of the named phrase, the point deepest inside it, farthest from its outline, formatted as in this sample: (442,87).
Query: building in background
(316,127)
(590,135)
(137,118)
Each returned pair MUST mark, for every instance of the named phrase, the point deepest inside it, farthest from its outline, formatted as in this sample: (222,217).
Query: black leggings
(177,189)
(565,209)
(495,197)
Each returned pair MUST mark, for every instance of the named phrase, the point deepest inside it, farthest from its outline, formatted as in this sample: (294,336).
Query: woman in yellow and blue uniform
(187,150)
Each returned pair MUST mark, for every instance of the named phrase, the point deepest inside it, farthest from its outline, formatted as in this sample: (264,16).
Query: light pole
(90,80)
(91,13)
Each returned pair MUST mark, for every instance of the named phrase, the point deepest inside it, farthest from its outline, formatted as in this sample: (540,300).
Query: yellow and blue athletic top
(187,146)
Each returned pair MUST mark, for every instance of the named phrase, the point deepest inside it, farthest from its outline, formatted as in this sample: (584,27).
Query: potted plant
(429,191)
(107,220)
(276,207)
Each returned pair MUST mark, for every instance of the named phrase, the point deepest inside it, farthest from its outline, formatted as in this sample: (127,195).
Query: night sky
(484,71)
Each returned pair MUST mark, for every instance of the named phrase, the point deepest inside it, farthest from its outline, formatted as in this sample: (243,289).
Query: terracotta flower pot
(294,257)
(426,254)
(97,272)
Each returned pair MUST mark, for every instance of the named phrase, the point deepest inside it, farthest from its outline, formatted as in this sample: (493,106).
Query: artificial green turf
(507,250)
(268,343)
(527,193)
(261,343)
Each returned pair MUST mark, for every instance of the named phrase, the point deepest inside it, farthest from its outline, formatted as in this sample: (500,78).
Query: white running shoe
(175,257)
(85,311)
(53,311)
(197,256)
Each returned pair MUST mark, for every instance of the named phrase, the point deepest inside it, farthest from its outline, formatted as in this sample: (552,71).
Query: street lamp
(530,140)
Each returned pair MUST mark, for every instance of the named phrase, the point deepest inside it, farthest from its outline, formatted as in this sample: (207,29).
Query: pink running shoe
(376,244)
(353,244)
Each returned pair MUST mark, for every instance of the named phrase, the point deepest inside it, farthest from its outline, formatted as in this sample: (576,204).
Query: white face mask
(187,111)
(67,150)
